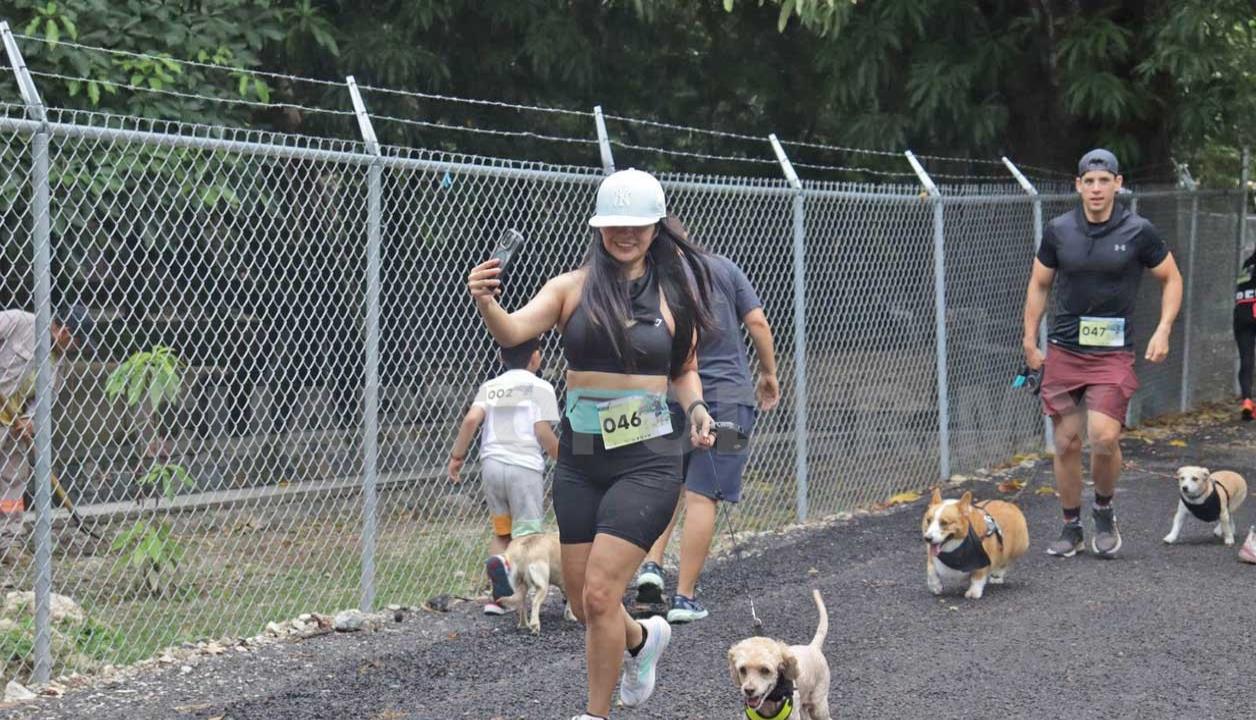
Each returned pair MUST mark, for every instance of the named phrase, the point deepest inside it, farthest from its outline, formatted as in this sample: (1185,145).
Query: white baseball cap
(629,198)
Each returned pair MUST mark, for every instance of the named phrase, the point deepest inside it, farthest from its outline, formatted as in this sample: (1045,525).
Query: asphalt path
(1160,632)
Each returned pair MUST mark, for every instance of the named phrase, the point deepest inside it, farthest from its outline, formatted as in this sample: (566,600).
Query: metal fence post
(1188,323)
(42,248)
(370,390)
(939,317)
(800,330)
(603,141)
(1048,432)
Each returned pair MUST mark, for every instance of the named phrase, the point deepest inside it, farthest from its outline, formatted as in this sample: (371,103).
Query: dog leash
(756,624)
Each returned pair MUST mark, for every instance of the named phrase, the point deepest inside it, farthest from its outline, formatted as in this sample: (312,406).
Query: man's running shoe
(492,608)
(1247,553)
(636,685)
(685,609)
(1107,539)
(498,570)
(1249,409)
(650,584)
(1071,540)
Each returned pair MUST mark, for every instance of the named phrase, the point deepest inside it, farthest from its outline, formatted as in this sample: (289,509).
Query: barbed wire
(484,131)
(850,169)
(182,61)
(952,158)
(188,96)
(684,153)
(473,101)
(840,148)
(686,128)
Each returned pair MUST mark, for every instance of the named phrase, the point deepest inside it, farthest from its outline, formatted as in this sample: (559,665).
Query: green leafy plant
(154,377)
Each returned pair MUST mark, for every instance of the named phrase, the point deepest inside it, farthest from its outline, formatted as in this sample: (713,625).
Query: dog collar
(1208,507)
(787,709)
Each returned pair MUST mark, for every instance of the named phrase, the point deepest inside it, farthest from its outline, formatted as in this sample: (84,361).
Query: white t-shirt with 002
(513,402)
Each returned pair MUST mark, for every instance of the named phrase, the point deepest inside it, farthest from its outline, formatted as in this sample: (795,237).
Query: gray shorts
(516,498)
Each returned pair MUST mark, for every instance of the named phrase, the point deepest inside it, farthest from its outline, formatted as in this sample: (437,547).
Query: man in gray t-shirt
(714,475)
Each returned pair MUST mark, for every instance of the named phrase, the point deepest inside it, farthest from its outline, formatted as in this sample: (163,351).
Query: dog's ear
(937,496)
(789,663)
(966,499)
(732,668)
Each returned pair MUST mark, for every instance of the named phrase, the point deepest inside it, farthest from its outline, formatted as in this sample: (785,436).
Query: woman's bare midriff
(591,380)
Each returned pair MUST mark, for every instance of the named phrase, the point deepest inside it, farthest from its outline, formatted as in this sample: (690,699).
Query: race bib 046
(1101,332)
(633,419)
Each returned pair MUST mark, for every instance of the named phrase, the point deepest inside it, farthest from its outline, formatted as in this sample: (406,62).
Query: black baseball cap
(1098,159)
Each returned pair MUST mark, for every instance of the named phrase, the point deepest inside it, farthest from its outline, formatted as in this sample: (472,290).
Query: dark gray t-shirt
(722,361)
(1098,268)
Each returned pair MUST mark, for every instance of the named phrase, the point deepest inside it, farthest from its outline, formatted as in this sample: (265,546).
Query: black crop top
(588,347)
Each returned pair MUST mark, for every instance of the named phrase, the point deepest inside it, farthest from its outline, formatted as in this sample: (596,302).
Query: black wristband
(694,404)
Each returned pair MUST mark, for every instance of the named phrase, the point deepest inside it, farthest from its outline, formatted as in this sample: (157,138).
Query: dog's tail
(822,630)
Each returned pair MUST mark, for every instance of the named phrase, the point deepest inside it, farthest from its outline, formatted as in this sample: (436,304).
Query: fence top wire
(474,101)
(132,124)
(483,131)
(191,96)
(690,154)
(841,148)
(181,61)
(687,128)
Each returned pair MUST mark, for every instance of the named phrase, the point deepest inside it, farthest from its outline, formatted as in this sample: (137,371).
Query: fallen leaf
(1044,490)
(903,498)
(1178,443)
(1008,486)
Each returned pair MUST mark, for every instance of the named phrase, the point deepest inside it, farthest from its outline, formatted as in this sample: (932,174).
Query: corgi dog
(974,541)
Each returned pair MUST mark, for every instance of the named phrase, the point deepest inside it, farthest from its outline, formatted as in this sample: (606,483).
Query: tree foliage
(1039,80)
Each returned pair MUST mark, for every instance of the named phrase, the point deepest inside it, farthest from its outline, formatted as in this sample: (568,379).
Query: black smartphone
(729,437)
(507,245)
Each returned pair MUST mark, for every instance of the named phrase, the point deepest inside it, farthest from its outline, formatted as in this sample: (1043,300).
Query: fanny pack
(581,406)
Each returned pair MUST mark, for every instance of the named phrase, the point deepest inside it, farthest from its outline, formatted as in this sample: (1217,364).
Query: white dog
(782,681)
(1200,493)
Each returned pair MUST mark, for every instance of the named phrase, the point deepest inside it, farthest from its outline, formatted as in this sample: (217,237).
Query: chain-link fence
(284,347)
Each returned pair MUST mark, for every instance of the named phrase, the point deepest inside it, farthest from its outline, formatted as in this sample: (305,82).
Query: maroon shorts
(1104,381)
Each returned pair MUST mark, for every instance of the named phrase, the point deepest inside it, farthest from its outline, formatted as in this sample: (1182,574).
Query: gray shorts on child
(516,497)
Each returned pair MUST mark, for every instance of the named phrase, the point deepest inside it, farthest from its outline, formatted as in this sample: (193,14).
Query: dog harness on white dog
(1209,509)
(971,554)
(784,693)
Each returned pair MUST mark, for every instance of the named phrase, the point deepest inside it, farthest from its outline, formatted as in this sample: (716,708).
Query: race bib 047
(1101,332)
(633,419)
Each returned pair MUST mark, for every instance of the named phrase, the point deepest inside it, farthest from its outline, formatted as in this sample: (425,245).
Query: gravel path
(1161,632)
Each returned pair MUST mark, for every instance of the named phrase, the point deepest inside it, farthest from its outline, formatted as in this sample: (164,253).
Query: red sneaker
(1249,409)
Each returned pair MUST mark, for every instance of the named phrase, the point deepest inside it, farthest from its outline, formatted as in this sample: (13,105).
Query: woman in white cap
(630,318)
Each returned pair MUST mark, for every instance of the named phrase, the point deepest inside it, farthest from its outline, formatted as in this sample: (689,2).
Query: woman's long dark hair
(683,279)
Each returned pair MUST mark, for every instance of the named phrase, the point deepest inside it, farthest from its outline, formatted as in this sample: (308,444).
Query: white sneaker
(636,685)
(1247,553)
(492,608)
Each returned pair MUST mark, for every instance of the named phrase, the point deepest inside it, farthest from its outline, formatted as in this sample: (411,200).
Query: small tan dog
(1200,494)
(977,542)
(535,564)
(782,681)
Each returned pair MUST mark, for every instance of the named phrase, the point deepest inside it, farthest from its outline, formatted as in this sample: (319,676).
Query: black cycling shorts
(629,492)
